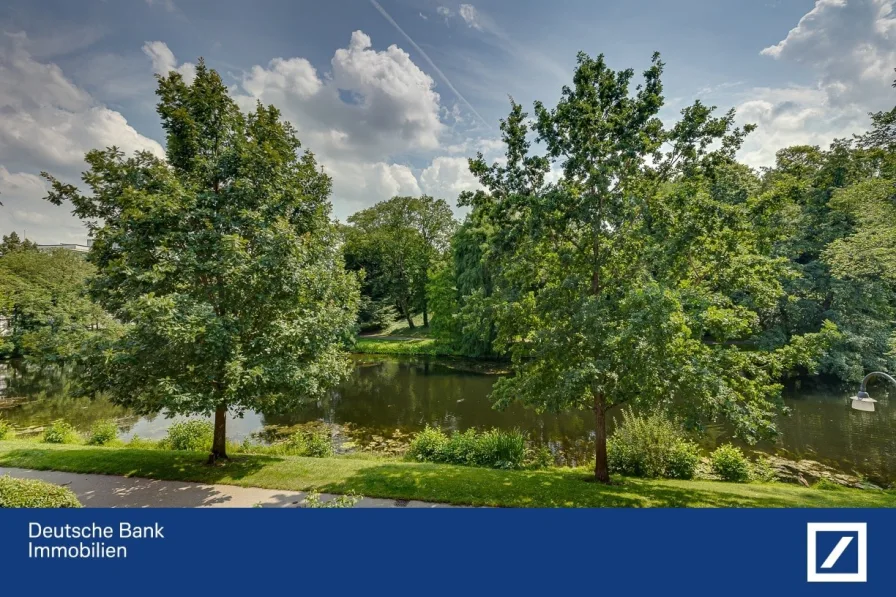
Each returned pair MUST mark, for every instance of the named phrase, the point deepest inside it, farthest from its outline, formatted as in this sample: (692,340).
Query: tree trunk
(407,315)
(425,316)
(601,468)
(219,444)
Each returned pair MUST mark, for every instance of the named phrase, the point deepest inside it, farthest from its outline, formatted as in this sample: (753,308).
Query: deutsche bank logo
(837,551)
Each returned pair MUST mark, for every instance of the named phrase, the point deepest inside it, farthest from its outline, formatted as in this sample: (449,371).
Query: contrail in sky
(426,57)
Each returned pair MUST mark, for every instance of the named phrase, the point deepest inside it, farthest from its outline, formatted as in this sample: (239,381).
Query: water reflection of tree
(48,393)
(385,394)
(407,394)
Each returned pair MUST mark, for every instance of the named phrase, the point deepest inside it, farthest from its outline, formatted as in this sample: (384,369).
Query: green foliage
(540,457)
(374,315)
(33,493)
(651,446)
(730,464)
(102,433)
(221,260)
(312,500)
(60,432)
(460,290)
(555,487)
(139,443)
(762,470)
(6,430)
(319,444)
(43,297)
(641,276)
(428,445)
(827,485)
(493,448)
(316,443)
(193,435)
(396,243)
(827,216)
(12,244)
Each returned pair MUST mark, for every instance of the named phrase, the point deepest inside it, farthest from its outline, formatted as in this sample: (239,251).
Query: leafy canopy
(629,280)
(221,260)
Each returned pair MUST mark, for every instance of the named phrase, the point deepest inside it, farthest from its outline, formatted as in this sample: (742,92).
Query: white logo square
(815,571)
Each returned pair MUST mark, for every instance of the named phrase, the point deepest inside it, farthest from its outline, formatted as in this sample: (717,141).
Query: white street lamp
(862,401)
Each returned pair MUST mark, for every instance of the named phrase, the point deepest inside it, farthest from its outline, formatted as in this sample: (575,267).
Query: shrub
(428,445)
(501,449)
(729,463)
(193,435)
(762,470)
(6,431)
(461,448)
(651,446)
(683,460)
(138,443)
(33,493)
(60,432)
(540,457)
(493,448)
(318,444)
(102,433)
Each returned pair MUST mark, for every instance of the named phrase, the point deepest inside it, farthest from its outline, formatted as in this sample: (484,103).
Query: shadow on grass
(150,464)
(426,482)
(488,487)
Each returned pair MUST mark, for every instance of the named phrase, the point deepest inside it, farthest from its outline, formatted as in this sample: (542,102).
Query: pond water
(388,397)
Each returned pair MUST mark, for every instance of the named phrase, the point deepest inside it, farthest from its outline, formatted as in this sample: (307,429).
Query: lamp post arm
(872,375)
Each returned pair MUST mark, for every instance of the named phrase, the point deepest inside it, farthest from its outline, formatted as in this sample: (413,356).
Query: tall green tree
(460,290)
(221,260)
(397,242)
(627,281)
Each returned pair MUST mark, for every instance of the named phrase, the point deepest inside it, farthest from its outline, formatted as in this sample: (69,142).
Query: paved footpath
(109,491)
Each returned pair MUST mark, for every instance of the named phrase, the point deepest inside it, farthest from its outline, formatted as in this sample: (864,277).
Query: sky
(393,96)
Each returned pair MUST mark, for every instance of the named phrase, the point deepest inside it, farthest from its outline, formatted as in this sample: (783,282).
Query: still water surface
(386,395)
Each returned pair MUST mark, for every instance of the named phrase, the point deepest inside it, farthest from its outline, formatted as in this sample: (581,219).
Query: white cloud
(49,123)
(470,16)
(446,177)
(357,185)
(163,61)
(851,48)
(369,108)
(372,104)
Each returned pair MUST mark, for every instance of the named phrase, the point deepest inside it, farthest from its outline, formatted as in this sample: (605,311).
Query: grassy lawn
(430,482)
(412,346)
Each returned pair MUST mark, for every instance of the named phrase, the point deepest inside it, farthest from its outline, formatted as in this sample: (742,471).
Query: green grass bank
(428,482)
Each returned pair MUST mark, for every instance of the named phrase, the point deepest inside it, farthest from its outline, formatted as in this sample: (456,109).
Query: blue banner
(427,552)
